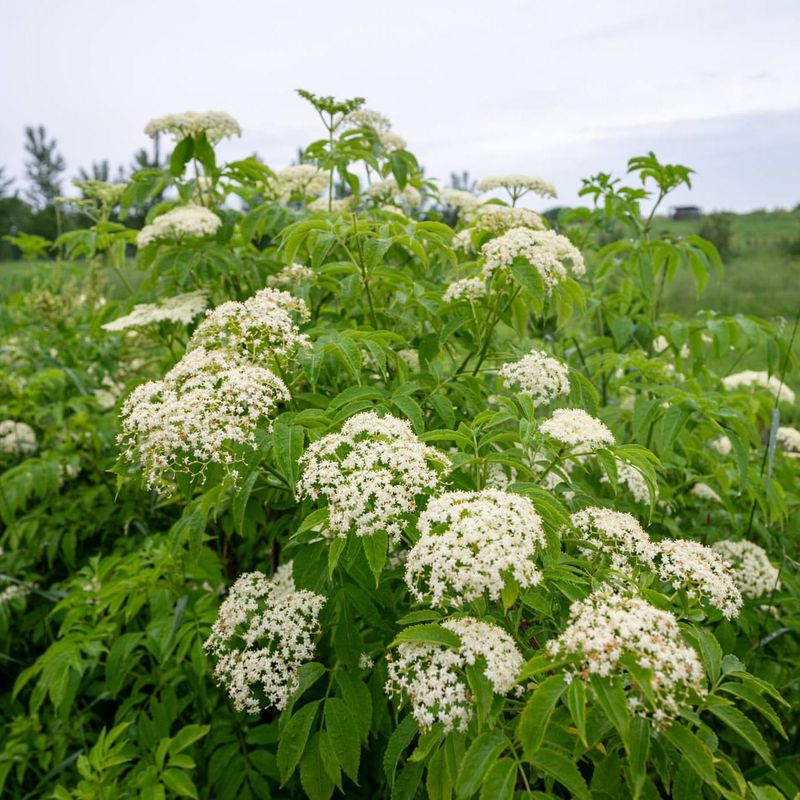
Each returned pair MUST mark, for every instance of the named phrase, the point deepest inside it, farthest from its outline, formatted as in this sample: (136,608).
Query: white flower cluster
(539,376)
(700,572)
(208,405)
(371,473)
(547,251)
(337,205)
(764,380)
(182,308)
(107,193)
(608,626)
(180,223)
(789,440)
(574,427)
(14,592)
(216,125)
(432,675)
(722,444)
(389,191)
(616,533)
(629,476)
(392,141)
(705,492)
(470,544)
(264,631)
(290,276)
(260,327)
(463,240)
(410,358)
(517,185)
(304,179)
(458,198)
(750,567)
(366,118)
(495,218)
(17,438)
(465,289)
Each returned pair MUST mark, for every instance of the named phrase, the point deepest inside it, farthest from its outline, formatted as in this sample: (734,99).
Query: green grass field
(762,267)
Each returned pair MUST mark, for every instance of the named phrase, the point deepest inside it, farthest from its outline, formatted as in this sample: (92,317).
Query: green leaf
(500,780)
(482,692)
(638,747)
(611,697)
(536,715)
(401,738)
(186,736)
(293,740)
(562,769)
(183,151)
(740,725)
(375,549)
(438,781)
(358,699)
(576,703)
(287,444)
(314,778)
(693,750)
(344,736)
(429,633)
(179,782)
(482,752)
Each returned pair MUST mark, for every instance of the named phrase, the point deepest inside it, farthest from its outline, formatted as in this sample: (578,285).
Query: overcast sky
(557,89)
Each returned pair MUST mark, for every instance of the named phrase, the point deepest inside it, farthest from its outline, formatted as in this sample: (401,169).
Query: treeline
(33,209)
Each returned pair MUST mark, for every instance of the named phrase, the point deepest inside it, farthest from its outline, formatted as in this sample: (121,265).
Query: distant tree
(100,171)
(463,181)
(144,160)
(5,183)
(718,230)
(44,169)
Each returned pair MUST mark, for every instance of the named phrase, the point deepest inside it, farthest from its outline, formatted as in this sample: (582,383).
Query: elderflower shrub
(471,543)
(263,326)
(700,572)
(178,224)
(389,191)
(705,492)
(749,566)
(788,440)
(617,635)
(547,251)
(300,179)
(616,533)
(361,683)
(632,479)
(759,379)
(495,218)
(432,676)
(574,428)
(290,276)
(207,408)
(264,631)
(216,125)
(539,376)
(182,308)
(518,185)
(460,199)
(370,473)
(17,438)
(465,289)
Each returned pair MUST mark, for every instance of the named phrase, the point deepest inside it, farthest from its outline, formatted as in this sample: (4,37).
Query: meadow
(332,480)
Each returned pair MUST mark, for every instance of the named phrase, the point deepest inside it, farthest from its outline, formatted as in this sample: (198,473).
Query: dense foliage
(434,500)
